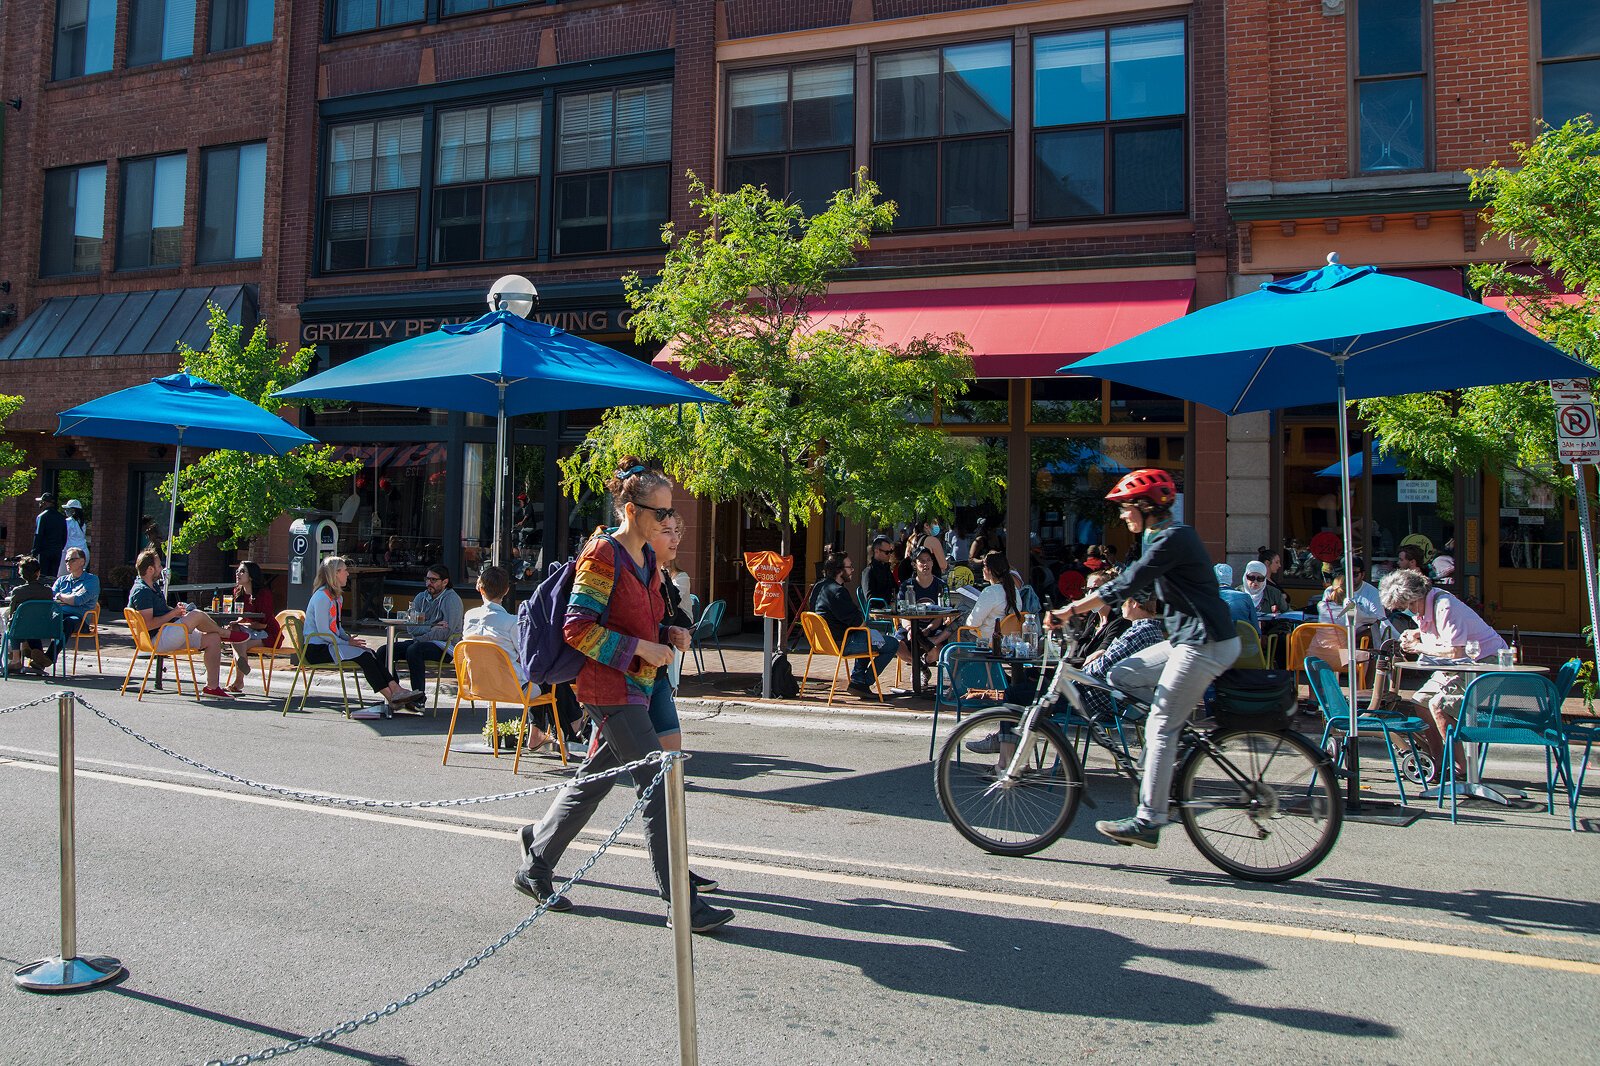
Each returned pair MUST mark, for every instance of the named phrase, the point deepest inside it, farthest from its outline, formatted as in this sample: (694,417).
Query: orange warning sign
(769,569)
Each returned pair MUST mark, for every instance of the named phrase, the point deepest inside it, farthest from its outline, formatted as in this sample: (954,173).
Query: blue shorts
(663,707)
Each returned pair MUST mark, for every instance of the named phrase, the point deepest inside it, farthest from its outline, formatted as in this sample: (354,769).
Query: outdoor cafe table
(1472,786)
(925,613)
(391,626)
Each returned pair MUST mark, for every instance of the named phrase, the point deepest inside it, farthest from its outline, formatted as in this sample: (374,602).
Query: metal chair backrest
(1528,701)
(294,635)
(965,674)
(1325,686)
(1301,639)
(1250,655)
(283,617)
(710,619)
(1566,677)
(818,635)
(139,629)
(484,672)
(694,607)
(33,620)
(1010,625)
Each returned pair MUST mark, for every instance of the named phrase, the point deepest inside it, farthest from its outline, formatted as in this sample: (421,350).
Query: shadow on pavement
(903,792)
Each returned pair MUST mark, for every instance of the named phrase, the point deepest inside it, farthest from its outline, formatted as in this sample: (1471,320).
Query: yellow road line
(1102,910)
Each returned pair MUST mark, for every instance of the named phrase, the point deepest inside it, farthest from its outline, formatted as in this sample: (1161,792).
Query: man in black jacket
(49,537)
(838,607)
(878,582)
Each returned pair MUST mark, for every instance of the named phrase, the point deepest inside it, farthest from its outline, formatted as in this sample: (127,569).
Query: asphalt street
(867,930)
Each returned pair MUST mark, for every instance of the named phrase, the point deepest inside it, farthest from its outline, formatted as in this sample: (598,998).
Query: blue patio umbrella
(181,409)
(1084,460)
(1382,465)
(500,365)
(1337,333)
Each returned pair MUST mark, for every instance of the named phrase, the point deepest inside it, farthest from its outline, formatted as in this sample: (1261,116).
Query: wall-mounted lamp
(158,451)
(8,314)
(15,103)
(5,286)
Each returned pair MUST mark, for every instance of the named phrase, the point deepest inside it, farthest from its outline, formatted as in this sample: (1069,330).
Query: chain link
(356,801)
(51,698)
(352,1024)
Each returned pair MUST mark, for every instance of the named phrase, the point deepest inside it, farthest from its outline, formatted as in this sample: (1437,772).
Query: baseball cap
(74,505)
(45,497)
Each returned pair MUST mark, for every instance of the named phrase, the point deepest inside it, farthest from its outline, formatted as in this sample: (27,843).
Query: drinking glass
(388,606)
(1474,649)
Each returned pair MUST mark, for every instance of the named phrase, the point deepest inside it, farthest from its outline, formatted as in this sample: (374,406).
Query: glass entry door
(1533,576)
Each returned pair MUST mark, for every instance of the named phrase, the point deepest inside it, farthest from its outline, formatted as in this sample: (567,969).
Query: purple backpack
(546,656)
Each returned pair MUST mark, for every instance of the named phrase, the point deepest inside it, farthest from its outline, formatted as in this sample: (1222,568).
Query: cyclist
(1201,642)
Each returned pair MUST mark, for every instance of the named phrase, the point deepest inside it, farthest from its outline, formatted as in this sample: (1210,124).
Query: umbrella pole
(172,513)
(502,465)
(1353,736)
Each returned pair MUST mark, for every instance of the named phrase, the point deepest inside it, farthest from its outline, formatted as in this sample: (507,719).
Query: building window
(74,220)
(160,29)
(373,173)
(236,23)
(233,192)
(612,175)
(464,7)
(85,33)
(791,130)
(1108,117)
(486,195)
(354,16)
(1569,50)
(1391,84)
(151,230)
(942,134)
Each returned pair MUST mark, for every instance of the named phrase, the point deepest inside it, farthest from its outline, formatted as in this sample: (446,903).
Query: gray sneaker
(989,745)
(1130,831)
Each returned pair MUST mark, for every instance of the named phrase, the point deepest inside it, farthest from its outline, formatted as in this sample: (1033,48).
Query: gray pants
(625,735)
(1173,678)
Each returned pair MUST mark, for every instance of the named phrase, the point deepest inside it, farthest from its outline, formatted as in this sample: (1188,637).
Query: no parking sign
(1577,429)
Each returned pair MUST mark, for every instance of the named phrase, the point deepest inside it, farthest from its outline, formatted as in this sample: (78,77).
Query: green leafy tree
(815,413)
(14,477)
(1548,208)
(230,496)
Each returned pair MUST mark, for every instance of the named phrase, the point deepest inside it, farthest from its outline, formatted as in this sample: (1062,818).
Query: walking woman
(1201,642)
(619,581)
(327,638)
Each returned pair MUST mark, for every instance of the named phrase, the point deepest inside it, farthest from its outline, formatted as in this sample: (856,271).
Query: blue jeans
(663,706)
(859,674)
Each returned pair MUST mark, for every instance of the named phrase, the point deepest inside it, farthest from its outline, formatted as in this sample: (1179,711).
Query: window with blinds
(232,203)
(486,198)
(358,16)
(371,180)
(612,181)
(86,31)
(792,130)
(150,229)
(159,30)
(74,220)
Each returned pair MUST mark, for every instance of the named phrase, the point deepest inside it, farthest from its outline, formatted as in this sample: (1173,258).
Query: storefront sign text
(389,330)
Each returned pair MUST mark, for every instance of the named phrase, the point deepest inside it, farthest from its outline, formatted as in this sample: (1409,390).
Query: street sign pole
(1578,441)
(1586,532)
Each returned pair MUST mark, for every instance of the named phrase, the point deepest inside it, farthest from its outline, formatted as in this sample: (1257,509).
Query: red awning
(1020,331)
(1504,304)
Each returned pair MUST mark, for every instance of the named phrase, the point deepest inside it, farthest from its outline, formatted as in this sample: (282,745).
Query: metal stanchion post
(67,972)
(682,946)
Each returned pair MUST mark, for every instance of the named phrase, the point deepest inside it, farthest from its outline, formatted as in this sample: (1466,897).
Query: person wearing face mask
(925,537)
(1200,638)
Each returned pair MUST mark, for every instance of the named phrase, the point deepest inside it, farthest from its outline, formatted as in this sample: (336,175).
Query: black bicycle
(1260,801)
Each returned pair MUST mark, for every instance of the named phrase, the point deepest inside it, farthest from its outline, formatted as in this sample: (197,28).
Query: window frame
(212,47)
(81,69)
(789,153)
(1109,127)
(206,155)
(327,200)
(1355,80)
(124,172)
(941,139)
(76,171)
(133,6)
(1541,63)
(333,33)
(559,177)
(436,187)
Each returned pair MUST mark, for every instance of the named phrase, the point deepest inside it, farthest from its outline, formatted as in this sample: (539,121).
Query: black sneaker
(702,884)
(863,688)
(541,889)
(705,918)
(1130,831)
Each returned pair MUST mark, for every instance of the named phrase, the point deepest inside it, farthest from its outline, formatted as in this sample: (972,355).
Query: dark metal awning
(127,323)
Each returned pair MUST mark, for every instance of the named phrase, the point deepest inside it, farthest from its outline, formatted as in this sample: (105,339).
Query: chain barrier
(51,698)
(355,801)
(372,1017)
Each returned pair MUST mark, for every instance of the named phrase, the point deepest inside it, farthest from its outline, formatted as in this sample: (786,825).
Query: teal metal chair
(956,677)
(1514,709)
(36,622)
(705,633)
(1565,678)
(1335,706)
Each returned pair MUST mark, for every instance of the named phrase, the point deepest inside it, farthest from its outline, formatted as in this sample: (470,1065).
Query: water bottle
(1030,633)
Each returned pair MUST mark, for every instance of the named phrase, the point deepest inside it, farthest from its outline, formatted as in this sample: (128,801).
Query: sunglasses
(662,513)
(1255,579)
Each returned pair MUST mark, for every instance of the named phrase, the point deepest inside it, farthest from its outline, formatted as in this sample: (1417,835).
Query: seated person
(1267,598)
(1241,607)
(878,583)
(76,592)
(839,608)
(493,622)
(251,594)
(327,640)
(192,629)
(438,610)
(31,589)
(1000,596)
(922,587)
(1369,607)
(1099,627)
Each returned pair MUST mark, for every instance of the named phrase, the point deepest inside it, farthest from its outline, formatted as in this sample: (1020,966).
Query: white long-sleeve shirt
(990,608)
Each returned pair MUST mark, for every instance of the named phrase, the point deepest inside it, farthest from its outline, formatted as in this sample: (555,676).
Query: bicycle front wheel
(1003,815)
(1264,806)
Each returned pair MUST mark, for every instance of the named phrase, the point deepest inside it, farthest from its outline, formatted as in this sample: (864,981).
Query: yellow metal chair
(145,644)
(295,627)
(484,672)
(267,656)
(1250,656)
(89,627)
(820,639)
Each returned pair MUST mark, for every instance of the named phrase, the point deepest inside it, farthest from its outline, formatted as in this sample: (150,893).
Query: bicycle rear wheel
(1009,817)
(1270,814)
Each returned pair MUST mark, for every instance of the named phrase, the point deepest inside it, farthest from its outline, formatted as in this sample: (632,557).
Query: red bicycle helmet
(1150,484)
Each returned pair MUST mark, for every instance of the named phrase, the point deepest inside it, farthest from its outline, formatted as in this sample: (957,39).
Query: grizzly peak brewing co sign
(389,330)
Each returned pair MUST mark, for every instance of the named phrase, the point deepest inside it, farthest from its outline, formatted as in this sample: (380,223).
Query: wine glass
(1474,649)
(388,606)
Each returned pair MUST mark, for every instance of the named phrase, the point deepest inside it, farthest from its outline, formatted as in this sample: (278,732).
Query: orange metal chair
(144,643)
(90,627)
(484,672)
(820,639)
(1326,635)
(267,656)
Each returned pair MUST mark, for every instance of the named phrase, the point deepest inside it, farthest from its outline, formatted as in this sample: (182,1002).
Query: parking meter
(310,541)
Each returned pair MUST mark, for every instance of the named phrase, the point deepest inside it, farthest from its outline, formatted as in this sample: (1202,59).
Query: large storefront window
(399,522)
(1070,478)
(1532,526)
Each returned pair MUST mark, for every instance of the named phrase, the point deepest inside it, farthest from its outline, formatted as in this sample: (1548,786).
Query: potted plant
(506,734)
